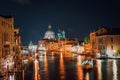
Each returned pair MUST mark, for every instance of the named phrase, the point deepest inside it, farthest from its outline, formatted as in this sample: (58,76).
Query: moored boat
(87,64)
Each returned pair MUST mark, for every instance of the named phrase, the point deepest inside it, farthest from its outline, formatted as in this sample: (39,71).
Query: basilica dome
(49,33)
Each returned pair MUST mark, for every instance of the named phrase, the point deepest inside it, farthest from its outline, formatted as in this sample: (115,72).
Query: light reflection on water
(62,68)
(79,68)
(36,70)
(46,67)
(108,69)
(99,69)
(87,76)
(115,70)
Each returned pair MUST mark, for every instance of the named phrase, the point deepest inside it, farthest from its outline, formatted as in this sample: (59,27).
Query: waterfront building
(24,50)
(17,40)
(61,34)
(32,48)
(6,35)
(10,40)
(105,41)
(79,49)
(60,44)
(88,48)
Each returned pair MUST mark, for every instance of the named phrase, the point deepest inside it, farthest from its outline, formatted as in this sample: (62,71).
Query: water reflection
(87,76)
(62,67)
(107,69)
(52,55)
(46,67)
(79,68)
(99,69)
(115,70)
(36,70)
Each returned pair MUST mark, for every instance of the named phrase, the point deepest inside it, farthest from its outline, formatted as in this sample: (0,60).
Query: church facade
(56,43)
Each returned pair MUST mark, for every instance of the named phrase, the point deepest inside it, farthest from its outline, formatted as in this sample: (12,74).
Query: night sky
(77,17)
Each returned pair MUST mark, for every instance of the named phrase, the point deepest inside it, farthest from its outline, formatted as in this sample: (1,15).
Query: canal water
(66,68)
(69,68)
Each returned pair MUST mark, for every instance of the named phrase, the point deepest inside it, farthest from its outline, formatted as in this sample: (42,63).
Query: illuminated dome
(49,34)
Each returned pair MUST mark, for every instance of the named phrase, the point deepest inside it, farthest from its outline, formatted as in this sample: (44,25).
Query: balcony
(7,44)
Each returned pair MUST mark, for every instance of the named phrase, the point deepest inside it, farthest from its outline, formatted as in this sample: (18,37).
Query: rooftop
(8,16)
